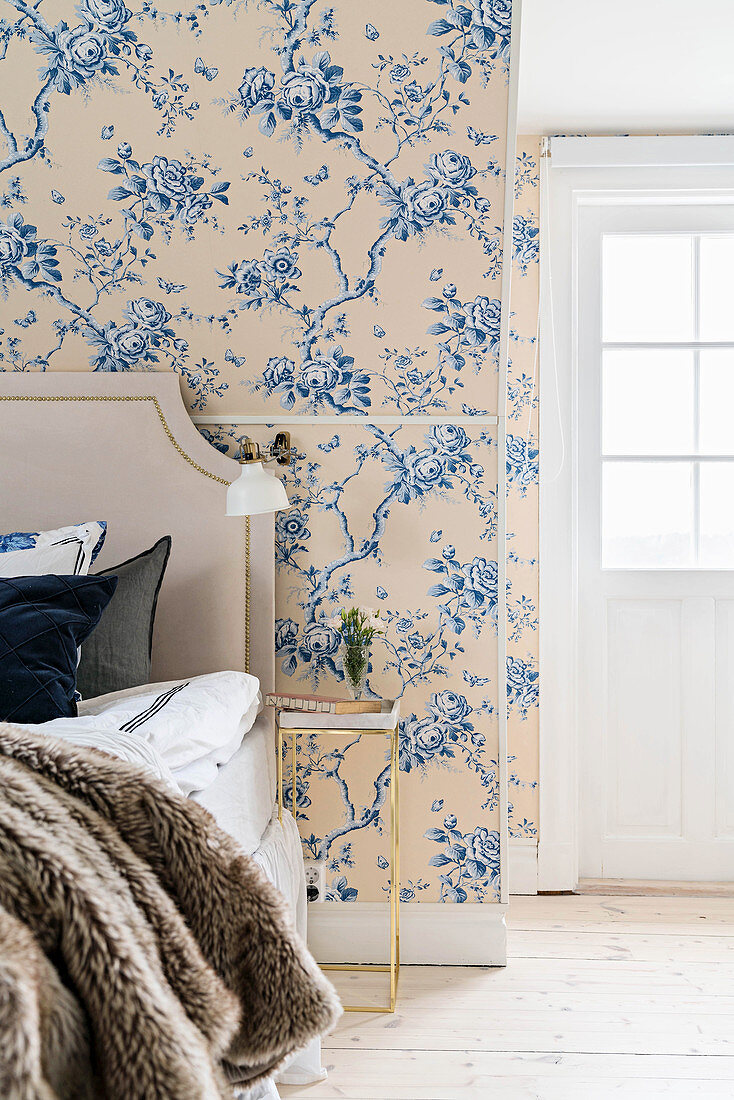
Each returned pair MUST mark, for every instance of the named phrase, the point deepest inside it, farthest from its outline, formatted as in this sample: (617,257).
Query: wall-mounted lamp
(256,490)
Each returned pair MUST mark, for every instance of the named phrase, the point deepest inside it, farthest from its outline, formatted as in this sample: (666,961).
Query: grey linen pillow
(118,654)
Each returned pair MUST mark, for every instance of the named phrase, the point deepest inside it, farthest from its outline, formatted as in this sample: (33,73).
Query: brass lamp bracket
(279,450)
(282,448)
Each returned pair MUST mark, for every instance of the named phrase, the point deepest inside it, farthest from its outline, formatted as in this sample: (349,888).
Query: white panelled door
(655,499)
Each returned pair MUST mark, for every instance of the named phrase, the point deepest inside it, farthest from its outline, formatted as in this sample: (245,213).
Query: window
(667,399)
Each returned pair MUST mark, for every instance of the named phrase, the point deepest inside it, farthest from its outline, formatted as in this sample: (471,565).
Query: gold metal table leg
(293,775)
(279,772)
(393,968)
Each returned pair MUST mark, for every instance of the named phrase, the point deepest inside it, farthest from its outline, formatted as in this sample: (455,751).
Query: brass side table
(384,724)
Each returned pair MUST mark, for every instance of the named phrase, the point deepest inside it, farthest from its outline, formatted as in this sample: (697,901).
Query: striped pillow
(67,551)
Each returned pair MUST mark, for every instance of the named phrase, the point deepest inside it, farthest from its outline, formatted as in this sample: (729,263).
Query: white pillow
(194,725)
(66,551)
(201,773)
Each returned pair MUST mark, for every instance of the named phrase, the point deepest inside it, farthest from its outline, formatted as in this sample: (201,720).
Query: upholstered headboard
(122,448)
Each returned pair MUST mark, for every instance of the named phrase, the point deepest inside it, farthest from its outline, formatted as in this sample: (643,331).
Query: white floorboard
(603,996)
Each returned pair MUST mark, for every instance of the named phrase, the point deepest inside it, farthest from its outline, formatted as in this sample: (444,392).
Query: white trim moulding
(313,420)
(504,359)
(586,173)
(668,345)
(523,863)
(662,151)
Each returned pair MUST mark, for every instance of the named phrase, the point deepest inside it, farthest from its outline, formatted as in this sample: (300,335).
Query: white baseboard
(523,861)
(557,867)
(430,933)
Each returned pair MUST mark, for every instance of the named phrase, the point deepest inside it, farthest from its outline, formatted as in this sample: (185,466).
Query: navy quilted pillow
(43,620)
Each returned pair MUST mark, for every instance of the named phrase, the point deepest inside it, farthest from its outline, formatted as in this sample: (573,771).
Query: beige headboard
(121,447)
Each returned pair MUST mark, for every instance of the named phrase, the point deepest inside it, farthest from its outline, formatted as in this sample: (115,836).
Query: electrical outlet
(315,879)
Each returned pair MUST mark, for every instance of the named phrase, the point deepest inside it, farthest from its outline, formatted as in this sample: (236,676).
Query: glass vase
(355,662)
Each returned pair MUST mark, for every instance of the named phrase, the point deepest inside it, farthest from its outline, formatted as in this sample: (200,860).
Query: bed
(122,447)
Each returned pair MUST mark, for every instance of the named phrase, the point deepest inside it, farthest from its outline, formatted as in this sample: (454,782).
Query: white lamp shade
(256,490)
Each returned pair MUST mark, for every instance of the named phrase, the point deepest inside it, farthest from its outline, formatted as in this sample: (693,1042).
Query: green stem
(356,660)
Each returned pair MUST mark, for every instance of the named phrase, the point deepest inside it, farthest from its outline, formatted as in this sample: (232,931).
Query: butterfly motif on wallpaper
(204,70)
(57,197)
(248,151)
(378,331)
(478,137)
(333,443)
(371,32)
(25,322)
(170,288)
(107,132)
(436,274)
(475,681)
(230,357)
(321,175)
(380,592)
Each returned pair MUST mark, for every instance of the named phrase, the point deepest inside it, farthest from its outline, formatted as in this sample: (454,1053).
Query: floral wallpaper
(300,212)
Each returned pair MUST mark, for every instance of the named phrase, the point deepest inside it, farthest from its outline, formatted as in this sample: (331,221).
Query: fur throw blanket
(143,956)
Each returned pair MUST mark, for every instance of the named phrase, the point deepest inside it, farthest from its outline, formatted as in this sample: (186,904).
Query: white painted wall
(631,66)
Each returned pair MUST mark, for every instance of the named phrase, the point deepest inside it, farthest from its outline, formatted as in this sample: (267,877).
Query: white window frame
(669,217)
(582,172)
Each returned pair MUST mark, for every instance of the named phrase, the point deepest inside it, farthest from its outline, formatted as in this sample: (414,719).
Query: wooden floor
(602,997)
(648,888)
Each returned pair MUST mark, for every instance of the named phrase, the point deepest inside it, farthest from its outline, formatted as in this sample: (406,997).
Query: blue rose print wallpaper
(298,207)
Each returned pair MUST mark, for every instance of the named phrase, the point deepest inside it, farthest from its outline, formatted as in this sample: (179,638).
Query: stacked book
(325,704)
